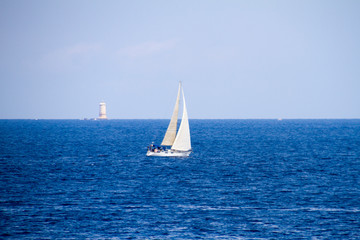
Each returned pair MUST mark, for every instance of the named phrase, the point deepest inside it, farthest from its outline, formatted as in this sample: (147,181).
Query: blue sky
(236,59)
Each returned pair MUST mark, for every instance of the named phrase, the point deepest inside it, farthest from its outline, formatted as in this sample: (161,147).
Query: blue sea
(246,179)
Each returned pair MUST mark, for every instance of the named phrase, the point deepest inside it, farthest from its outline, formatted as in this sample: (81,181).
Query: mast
(182,141)
(170,134)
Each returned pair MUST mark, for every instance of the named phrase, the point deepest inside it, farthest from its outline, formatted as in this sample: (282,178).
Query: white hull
(168,153)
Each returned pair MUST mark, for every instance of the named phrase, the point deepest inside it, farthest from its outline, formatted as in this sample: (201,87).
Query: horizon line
(109,119)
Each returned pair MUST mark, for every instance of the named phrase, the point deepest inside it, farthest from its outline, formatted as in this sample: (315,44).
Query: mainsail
(170,134)
(182,141)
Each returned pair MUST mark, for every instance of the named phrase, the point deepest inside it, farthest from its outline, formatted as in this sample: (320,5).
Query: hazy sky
(236,59)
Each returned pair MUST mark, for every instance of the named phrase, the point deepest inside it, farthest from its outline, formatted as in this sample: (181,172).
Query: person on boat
(151,148)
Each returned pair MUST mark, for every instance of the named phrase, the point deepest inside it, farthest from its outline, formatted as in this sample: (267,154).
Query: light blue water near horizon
(246,179)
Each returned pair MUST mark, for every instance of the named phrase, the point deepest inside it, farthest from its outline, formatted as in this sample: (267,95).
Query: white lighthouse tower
(102,111)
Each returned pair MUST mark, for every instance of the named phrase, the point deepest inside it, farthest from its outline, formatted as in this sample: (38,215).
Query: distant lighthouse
(102,111)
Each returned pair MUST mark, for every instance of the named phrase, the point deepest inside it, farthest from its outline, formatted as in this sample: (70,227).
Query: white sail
(170,134)
(182,141)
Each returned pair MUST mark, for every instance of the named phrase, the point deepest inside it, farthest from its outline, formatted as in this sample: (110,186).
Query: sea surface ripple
(246,179)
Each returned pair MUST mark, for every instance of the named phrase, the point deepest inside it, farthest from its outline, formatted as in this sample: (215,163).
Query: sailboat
(174,144)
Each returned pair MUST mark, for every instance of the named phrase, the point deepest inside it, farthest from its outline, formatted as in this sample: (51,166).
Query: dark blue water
(246,179)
